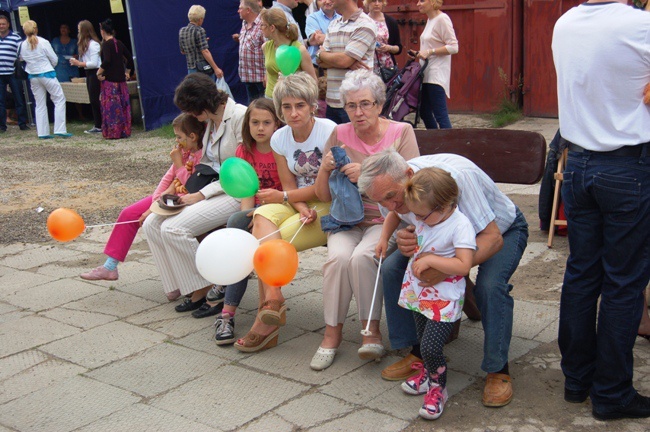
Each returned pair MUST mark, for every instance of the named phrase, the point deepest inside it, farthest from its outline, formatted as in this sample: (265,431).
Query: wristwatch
(318,55)
(285,197)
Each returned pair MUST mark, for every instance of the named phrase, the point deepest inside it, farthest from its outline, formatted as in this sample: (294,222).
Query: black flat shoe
(638,408)
(206,310)
(575,396)
(189,305)
(646,337)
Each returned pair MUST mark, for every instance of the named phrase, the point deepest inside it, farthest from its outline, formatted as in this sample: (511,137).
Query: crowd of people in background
(107,65)
(358,184)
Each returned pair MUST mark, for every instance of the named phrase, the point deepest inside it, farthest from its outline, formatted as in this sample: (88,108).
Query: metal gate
(489,37)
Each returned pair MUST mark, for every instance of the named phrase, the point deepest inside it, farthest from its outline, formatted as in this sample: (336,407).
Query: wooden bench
(507,156)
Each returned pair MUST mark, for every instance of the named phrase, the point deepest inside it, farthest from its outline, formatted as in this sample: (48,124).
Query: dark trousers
(433,107)
(607,204)
(92,84)
(254,90)
(337,115)
(17,92)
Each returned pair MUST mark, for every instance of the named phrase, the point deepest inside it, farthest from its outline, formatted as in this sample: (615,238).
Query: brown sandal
(254,342)
(273,312)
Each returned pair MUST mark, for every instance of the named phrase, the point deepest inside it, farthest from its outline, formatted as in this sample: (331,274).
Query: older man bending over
(501,237)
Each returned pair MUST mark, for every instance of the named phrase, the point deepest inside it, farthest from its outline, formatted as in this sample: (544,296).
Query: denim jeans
(254,90)
(492,297)
(433,107)
(607,204)
(17,92)
(236,291)
(337,115)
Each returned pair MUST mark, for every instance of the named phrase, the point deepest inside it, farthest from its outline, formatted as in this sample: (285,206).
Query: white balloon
(226,256)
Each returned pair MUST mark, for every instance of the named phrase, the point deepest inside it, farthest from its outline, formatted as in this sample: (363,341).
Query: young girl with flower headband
(184,155)
(446,242)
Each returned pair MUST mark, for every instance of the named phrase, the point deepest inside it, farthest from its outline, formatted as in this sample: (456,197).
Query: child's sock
(415,350)
(111,264)
(505,370)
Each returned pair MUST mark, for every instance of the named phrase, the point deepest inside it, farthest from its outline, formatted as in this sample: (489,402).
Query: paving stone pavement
(114,356)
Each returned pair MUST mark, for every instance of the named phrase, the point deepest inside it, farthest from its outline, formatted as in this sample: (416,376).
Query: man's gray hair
(253,5)
(388,162)
(363,79)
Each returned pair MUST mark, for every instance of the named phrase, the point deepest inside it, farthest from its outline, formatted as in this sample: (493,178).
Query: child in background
(260,122)
(186,153)
(446,243)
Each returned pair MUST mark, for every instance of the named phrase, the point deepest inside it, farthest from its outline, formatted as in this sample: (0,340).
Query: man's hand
(218,72)
(407,241)
(235,37)
(430,277)
(358,65)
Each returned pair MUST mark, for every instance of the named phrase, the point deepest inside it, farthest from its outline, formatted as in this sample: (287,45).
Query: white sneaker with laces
(417,384)
(434,402)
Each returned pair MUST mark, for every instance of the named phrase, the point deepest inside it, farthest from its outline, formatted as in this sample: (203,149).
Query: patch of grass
(166,131)
(508,113)
(509,110)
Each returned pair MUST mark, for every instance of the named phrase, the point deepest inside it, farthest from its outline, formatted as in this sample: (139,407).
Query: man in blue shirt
(316,27)
(9,42)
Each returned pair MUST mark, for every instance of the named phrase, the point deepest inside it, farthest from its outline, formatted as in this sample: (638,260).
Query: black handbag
(386,73)
(19,66)
(203,175)
(204,67)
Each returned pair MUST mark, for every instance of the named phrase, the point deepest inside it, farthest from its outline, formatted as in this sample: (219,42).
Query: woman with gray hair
(350,269)
(297,148)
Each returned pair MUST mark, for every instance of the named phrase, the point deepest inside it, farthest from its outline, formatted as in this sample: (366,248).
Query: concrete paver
(113,356)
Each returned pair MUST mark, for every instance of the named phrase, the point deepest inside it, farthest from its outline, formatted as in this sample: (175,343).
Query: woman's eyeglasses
(364,105)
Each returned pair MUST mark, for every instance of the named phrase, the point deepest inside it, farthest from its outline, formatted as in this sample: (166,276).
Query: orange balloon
(65,225)
(276,262)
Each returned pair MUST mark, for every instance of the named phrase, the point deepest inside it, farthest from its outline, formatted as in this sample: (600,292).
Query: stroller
(403,93)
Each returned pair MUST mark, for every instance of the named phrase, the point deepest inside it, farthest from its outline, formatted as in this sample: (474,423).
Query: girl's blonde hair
(437,4)
(86,33)
(275,17)
(31,30)
(261,104)
(434,187)
(189,124)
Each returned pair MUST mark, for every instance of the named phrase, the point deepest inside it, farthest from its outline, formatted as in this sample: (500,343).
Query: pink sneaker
(171,296)
(100,273)
(434,402)
(417,384)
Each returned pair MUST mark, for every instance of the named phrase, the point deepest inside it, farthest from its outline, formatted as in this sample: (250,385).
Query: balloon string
(115,223)
(288,225)
(374,294)
(303,224)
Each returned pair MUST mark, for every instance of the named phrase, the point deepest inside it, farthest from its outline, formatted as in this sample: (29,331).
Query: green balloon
(238,178)
(288,59)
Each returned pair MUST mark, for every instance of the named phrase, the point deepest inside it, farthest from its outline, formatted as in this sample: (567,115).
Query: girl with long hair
(88,45)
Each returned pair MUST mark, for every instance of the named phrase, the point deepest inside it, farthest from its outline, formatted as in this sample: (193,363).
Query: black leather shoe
(638,408)
(206,310)
(189,305)
(576,396)
(25,127)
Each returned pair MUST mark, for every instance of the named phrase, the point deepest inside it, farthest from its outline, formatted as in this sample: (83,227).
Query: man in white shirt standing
(601,51)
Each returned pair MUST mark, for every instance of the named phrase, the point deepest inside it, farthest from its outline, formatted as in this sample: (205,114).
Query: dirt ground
(98,178)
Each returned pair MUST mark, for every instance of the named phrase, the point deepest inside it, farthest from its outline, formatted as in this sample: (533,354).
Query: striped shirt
(9,52)
(480,199)
(251,57)
(355,37)
(192,41)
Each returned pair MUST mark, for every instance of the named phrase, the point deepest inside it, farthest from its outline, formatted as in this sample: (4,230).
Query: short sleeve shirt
(8,52)
(264,165)
(251,57)
(355,37)
(192,41)
(303,158)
